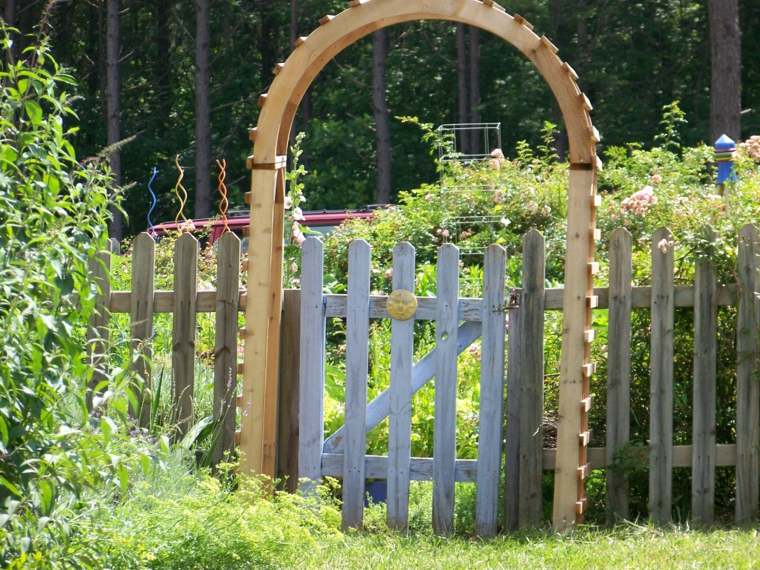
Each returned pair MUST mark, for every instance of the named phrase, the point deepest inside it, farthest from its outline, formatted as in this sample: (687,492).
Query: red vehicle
(324,221)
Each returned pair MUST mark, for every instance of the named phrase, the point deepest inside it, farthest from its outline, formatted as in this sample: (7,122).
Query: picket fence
(511,362)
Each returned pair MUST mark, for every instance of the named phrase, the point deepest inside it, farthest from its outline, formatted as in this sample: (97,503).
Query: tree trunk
(726,83)
(163,69)
(267,41)
(9,15)
(558,36)
(476,137)
(293,23)
(113,104)
(202,112)
(463,97)
(382,116)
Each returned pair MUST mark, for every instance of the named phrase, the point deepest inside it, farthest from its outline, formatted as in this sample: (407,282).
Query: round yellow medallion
(402,305)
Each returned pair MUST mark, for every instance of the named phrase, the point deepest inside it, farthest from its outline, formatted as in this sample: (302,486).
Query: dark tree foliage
(633,58)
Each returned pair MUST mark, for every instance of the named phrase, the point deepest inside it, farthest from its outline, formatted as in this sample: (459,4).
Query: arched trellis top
(263,307)
(338,32)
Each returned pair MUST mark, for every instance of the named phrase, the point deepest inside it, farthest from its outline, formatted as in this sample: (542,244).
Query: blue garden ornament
(153,201)
(725,148)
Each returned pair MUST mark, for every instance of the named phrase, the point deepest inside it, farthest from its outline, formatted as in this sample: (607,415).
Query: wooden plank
(98,330)
(747,371)
(226,342)
(420,468)
(466,470)
(515,363)
(399,437)
(469,309)
(532,383)
(619,370)
(573,387)
(357,373)
(491,392)
(141,319)
(422,372)
(287,436)
(444,445)
(705,371)
(262,312)
(311,372)
(661,380)
(183,331)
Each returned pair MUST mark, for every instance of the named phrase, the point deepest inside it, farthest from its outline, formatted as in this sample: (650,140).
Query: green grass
(633,547)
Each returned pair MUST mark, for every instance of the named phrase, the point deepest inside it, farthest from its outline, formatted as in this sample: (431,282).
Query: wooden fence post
(97,332)
(311,373)
(183,330)
(705,362)
(141,318)
(661,379)
(357,372)
(491,392)
(747,373)
(618,370)
(444,444)
(402,354)
(225,349)
(515,363)
(532,301)
(290,359)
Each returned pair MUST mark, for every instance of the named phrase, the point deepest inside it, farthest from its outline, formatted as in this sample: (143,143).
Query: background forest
(175,78)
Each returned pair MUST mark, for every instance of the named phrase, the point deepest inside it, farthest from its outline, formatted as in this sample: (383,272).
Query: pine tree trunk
(558,36)
(382,116)
(163,68)
(463,96)
(9,15)
(113,104)
(202,112)
(476,137)
(726,83)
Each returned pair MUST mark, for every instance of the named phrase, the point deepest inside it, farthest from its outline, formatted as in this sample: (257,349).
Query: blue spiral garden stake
(153,201)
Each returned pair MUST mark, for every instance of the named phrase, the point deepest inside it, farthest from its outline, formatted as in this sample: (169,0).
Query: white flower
(298,215)
(505,222)
(288,202)
(297,234)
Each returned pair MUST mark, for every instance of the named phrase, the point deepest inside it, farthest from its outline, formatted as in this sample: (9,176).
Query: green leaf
(10,486)
(4,436)
(34,111)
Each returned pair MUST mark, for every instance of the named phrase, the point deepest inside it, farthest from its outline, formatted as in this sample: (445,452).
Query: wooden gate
(343,455)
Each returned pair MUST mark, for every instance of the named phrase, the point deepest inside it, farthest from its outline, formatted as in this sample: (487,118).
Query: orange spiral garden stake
(180,191)
(224,203)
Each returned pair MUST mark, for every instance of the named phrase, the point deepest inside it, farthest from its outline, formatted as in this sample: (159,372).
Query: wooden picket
(305,455)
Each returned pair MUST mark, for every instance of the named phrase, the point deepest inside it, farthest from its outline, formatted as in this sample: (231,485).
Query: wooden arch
(263,307)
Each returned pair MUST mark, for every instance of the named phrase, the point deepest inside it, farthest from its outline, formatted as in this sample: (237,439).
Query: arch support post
(262,324)
(575,372)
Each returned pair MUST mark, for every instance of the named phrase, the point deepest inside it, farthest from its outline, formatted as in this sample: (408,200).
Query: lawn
(627,547)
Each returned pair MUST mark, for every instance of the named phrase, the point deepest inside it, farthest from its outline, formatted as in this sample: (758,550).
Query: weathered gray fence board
(183,330)
(424,371)
(225,349)
(491,392)
(97,331)
(357,371)
(705,362)
(421,468)
(141,318)
(618,370)
(444,445)
(311,372)
(747,371)
(661,380)
(400,434)
(287,419)
(515,363)
(469,309)
(532,381)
